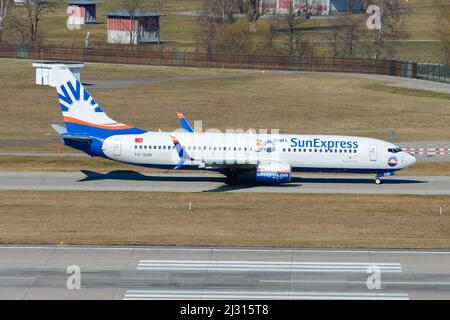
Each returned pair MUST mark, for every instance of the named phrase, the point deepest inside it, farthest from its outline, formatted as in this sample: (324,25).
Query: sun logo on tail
(75,99)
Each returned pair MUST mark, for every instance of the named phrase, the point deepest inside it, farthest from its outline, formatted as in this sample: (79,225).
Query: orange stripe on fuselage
(118,126)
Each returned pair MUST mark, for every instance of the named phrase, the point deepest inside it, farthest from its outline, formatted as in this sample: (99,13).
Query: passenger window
(135,147)
(284,150)
(140,147)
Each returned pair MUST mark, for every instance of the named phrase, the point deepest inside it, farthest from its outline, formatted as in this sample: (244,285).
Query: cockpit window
(395,150)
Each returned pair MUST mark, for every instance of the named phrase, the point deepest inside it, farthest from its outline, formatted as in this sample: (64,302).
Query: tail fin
(82,115)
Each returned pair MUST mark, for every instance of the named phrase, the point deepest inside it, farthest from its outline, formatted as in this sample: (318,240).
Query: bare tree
(207,29)
(255,9)
(267,44)
(353,29)
(391,27)
(290,19)
(335,36)
(3,12)
(132,7)
(28,26)
(224,10)
(443,24)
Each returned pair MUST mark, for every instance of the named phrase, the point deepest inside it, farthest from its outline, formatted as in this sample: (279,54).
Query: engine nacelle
(273,172)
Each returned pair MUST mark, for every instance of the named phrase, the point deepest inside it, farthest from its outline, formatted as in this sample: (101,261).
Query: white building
(44,76)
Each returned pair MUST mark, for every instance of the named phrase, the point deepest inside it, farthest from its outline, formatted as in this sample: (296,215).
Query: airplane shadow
(130,175)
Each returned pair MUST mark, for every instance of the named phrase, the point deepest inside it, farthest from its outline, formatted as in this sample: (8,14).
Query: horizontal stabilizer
(59,129)
(76,138)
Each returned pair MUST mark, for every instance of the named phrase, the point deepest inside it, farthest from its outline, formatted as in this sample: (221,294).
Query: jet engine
(273,172)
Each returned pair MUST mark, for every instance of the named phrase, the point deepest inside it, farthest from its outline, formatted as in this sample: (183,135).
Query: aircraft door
(117,147)
(373,152)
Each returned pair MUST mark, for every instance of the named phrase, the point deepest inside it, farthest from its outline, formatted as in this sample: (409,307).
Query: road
(167,182)
(39,272)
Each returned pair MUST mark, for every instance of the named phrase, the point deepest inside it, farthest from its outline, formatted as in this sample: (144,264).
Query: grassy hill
(179,30)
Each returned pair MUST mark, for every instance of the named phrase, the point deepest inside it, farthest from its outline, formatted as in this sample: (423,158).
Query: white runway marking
(264,266)
(207,294)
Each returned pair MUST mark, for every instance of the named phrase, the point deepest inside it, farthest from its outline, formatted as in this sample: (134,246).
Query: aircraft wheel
(377,180)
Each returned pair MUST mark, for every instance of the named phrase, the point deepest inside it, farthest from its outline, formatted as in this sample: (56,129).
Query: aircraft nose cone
(411,160)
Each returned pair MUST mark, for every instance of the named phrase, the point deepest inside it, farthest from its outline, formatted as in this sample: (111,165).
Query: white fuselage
(315,153)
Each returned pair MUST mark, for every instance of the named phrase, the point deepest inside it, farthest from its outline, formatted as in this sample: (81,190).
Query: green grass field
(181,31)
(231,219)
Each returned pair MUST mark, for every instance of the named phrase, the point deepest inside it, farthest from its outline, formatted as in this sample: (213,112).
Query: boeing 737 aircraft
(267,158)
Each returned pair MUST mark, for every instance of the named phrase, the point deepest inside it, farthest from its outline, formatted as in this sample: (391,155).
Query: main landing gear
(378,180)
(231,178)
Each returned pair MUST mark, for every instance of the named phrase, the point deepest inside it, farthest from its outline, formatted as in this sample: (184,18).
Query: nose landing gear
(378,180)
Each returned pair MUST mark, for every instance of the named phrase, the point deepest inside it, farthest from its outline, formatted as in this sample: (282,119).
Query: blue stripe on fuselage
(81,129)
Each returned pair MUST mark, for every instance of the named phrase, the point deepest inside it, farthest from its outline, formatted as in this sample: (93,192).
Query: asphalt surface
(40,272)
(409,83)
(134,181)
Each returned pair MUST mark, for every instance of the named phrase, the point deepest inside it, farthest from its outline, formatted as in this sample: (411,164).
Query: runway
(136,273)
(200,182)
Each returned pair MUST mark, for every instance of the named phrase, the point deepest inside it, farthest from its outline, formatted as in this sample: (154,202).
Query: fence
(213,60)
(429,152)
(433,72)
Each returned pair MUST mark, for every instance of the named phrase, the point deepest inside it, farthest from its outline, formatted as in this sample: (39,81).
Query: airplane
(262,157)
